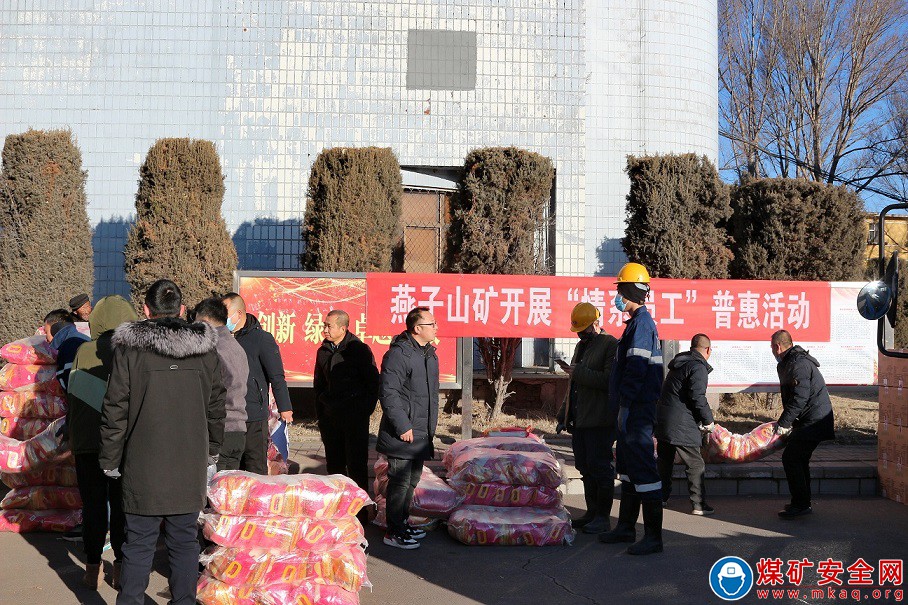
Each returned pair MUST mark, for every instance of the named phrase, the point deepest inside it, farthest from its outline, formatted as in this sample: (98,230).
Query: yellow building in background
(895,239)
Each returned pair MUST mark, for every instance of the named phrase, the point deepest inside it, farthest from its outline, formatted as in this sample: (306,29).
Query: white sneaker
(416,533)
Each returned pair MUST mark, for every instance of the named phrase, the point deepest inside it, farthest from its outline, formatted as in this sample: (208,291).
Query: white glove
(707,428)
(114,474)
(781,431)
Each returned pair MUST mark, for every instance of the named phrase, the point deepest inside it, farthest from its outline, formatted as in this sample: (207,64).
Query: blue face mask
(231,325)
(620,303)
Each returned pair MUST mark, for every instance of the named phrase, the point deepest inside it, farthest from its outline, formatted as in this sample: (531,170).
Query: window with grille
(425,215)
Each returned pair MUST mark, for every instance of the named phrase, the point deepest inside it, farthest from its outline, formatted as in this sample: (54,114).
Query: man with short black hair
(682,418)
(235,374)
(162,426)
(62,334)
(409,402)
(346,391)
(806,418)
(266,371)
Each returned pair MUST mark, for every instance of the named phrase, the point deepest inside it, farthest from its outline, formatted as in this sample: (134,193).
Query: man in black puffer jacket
(806,418)
(266,369)
(682,416)
(162,426)
(409,403)
(346,391)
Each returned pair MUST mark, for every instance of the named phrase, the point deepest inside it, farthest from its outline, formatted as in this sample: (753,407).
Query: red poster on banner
(294,308)
(539,306)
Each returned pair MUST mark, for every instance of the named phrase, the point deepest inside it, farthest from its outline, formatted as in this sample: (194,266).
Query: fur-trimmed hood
(168,336)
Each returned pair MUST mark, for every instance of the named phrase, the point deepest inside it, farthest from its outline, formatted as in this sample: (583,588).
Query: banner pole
(466,385)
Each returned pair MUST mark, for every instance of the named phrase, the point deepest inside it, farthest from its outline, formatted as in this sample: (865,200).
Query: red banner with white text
(293,309)
(539,306)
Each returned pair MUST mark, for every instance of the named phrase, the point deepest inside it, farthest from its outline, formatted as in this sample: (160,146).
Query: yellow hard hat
(633,273)
(583,316)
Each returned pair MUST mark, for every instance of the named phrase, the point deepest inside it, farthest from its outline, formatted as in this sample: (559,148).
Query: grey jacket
(235,372)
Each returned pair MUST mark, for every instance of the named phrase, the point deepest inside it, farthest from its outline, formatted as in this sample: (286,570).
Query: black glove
(559,428)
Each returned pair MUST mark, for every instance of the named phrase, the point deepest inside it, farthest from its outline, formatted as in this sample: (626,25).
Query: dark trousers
(181,539)
(796,462)
(346,440)
(593,454)
(403,477)
(99,494)
(636,460)
(232,451)
(255,456)
(694,465)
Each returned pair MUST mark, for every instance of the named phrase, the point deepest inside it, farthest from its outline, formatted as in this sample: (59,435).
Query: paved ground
(42,569)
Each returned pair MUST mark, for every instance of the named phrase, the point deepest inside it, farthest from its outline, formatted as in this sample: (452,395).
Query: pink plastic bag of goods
(23,521)
(480,525)
(511,431)
(432,496)
(63,475)
(724,446)
(506,443)
(498,494)
(214,592)
(32,455)
(31,404)
(42,497)
(488,465)
(14,377)
(381,518)
(23,429)
(34,350)
(316,496)
(281,533)
(276,463)
(344,566)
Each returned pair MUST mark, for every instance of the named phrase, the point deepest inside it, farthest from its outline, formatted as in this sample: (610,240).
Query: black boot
(652,528)
(601,523)
(589,494)
(625,530)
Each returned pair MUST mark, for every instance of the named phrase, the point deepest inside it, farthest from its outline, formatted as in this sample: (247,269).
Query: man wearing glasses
(409,402)
(346,391)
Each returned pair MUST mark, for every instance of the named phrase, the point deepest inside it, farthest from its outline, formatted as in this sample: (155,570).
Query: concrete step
(841,470)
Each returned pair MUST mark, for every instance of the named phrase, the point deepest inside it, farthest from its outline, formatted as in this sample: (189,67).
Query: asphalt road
(41,568)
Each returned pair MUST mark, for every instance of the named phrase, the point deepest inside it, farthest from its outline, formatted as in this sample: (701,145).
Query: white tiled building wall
(652,88)
(273,82)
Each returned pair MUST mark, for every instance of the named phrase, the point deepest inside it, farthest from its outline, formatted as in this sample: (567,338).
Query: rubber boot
(589,494)
(92,575)
(652,530)
(601,523)
(625,530)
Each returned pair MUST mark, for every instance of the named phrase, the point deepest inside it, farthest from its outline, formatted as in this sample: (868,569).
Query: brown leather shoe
(92,575)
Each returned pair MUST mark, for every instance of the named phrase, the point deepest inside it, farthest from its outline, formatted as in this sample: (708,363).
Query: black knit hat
(634,292)
(77,301)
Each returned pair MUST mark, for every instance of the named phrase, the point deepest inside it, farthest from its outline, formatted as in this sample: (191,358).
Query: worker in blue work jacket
(635,386)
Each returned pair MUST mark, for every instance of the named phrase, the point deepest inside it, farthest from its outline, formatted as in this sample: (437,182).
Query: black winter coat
(163,414)
(265,368)
(806,407)
(587,403)
(345,378)
(682,405)
(409,399)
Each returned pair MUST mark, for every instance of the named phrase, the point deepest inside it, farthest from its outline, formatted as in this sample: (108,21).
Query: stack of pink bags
(34,461)
(511,489)
(433,499)
(283,539)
